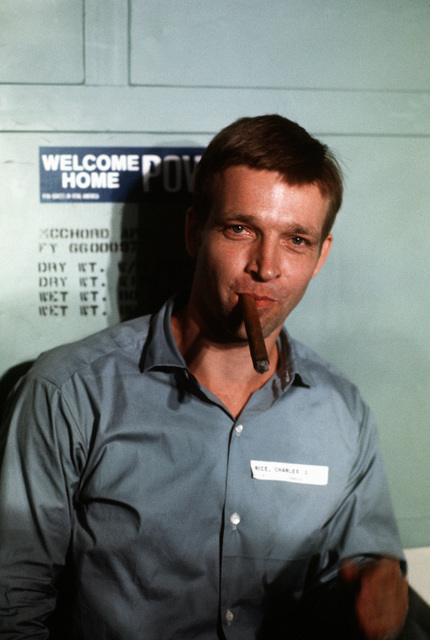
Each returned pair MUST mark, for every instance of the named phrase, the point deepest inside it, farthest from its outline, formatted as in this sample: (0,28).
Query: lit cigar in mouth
(259,356)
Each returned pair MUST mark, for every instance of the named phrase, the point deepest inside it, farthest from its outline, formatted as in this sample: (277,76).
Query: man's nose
(264,261)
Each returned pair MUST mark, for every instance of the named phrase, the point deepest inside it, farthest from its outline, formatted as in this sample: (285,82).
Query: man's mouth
(262,302)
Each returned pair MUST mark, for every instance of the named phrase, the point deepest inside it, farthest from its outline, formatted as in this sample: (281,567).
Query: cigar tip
(261,366)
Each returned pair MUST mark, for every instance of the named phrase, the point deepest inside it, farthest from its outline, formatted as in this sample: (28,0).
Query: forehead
(262,194)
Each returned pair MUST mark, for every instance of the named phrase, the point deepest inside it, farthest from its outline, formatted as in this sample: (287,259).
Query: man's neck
(225,369)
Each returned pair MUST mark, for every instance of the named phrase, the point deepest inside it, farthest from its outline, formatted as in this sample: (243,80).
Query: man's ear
(192,233)
(325,250)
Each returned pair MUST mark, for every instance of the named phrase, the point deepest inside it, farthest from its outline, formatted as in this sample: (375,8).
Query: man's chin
(268,327)
(234,336)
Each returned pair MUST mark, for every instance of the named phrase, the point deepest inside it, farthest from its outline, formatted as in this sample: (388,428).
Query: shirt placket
(237,578)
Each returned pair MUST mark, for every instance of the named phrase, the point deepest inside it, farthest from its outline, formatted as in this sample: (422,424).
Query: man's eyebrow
(234,217)
(242,217)
(305,231)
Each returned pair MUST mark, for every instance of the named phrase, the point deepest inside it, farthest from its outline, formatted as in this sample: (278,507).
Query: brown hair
(274,143)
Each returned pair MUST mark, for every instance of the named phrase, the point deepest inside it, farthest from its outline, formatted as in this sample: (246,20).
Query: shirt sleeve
(363,525)
(41,453)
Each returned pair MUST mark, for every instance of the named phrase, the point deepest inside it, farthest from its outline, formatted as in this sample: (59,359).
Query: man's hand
(381,599)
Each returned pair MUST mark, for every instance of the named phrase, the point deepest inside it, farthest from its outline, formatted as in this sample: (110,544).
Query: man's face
(262,237)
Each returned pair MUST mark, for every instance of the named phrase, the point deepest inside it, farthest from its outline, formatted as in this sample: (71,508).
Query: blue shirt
(173,514)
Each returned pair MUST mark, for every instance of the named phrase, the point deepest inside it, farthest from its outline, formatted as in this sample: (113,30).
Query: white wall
(170,73)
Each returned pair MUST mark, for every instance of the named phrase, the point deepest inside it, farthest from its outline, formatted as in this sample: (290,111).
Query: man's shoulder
(324,376)
(119,346)
(313,362)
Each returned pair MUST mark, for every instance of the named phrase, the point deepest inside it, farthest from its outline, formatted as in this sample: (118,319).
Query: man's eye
(298,241)
(237,228)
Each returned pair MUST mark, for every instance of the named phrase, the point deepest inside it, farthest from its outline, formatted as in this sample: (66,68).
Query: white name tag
(289,472)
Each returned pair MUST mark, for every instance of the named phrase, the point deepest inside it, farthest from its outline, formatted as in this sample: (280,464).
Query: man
(191,496)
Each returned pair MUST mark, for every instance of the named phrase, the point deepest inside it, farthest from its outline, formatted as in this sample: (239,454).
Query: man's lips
(262,302)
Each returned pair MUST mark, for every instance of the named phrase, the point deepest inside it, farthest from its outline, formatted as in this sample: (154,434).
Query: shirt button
(239,428)
(229,616)
(234,519)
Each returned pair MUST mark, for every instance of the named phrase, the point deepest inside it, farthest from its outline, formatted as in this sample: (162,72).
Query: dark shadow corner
(419,612)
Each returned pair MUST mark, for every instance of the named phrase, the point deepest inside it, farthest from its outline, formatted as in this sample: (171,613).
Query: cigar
(259,356)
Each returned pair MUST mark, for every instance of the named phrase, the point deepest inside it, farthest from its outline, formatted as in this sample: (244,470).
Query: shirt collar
(161,351)
(295,367)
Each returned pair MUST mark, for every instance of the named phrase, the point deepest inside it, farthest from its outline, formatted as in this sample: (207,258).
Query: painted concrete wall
(356,73)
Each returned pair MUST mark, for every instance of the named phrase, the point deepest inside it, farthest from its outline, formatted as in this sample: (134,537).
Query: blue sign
(116,174)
